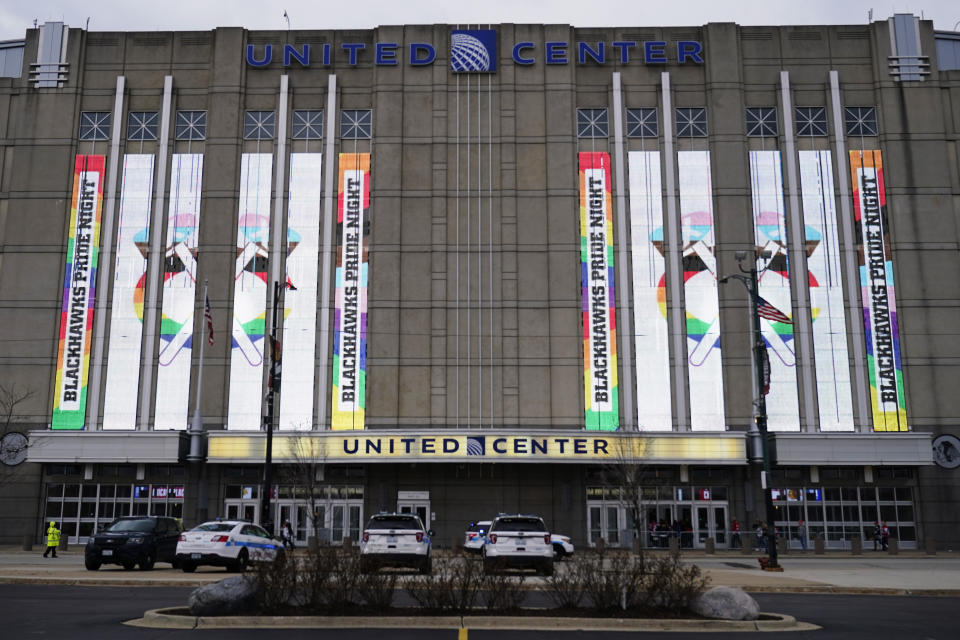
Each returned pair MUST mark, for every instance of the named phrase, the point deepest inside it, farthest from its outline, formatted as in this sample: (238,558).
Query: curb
(168,619)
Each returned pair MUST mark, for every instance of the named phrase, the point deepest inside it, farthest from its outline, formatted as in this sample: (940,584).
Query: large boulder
(231,596)
(726,603)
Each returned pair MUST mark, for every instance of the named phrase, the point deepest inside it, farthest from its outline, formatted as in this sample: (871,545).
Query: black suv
(134,540)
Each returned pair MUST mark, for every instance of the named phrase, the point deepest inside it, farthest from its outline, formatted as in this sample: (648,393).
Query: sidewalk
(909,572)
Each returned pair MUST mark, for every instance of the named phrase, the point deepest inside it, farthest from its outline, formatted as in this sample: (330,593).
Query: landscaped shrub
(504,591)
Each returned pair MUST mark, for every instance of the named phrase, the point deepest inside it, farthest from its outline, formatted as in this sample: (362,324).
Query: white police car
(476,535)
(395,540)
(562,547)
(518,541)
(233,544)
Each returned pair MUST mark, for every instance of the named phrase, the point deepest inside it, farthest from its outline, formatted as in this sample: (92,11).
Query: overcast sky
(136,15)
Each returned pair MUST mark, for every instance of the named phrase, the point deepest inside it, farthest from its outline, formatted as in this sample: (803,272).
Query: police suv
(518,541)
(395,540)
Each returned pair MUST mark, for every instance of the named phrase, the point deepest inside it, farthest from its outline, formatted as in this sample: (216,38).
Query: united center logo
(473,51)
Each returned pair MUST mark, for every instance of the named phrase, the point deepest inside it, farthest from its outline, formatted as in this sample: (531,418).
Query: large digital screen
(773,280)
(130,266)
(178,292)
(300,299)
(601,406)
(877,290)
(649,292)
(350,316)
(79,294)
(826,291)
(250,289)
(700,291)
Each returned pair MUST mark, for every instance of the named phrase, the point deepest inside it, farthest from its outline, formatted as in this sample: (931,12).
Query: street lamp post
(266,517)
(750,282)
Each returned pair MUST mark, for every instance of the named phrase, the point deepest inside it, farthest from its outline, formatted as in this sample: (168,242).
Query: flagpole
(196,424)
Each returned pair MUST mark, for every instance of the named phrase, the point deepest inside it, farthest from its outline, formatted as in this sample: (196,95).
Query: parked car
(233,544)
(518,541)
(475,536)
(395,540)
(562,547)
(134,540)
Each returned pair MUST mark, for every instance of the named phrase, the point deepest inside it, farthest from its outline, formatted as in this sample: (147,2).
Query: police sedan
(233,544)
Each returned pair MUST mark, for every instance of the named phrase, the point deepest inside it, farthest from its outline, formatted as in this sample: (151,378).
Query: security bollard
(856,546)
(674,544)
(709,546)
(749,542)
(63,543)
(783,546)
(893,546)
(27,543)
(819,547)
(931,547)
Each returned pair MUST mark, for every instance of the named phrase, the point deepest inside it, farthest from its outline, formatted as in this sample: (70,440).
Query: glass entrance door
(248,510)
(711,523)
(606,521)
(417,502)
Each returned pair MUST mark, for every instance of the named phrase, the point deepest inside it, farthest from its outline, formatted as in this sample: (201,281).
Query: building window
(811,121)
(592,123)
(356,124)
(691,122)
(191,125)
(642,123)
(94,125)
(142,125)
(259,125)
(860,121)
(761,122)
(307,124)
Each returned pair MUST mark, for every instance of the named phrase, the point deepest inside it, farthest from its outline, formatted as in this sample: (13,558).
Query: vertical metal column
(276,233)
(673,249)
(624,308)
(323,349)
(155,264)
(802,320)
(104,265)
(863,417)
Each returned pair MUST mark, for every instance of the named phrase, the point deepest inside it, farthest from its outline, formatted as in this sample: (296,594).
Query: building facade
(499,269)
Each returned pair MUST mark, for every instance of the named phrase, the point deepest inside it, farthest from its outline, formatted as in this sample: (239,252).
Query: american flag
(209,318)
(770,312)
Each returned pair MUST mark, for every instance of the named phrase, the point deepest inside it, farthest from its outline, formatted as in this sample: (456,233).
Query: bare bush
(672,586)
(376,590)
(276,584)
(565,588)
(434,591)
(504,592)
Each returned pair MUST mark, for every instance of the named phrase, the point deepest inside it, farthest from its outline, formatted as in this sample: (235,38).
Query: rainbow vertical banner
(877,287)
(350,319)
(601,398)
(79,294)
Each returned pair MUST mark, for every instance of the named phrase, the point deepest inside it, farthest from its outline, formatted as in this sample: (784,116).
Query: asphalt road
(68,613)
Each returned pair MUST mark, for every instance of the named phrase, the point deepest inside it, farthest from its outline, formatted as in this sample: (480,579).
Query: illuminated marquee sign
(476,51)
(79,294)
(576,446)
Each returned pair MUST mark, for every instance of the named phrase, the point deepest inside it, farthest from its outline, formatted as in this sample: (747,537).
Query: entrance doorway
(711,523)
(248,510)
(417,502)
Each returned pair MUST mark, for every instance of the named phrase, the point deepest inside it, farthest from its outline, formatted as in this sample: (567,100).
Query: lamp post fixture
(270,343)
(759,431)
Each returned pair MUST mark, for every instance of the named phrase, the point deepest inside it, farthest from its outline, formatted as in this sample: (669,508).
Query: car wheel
(426,567)
(546,569)
(128,565)
(91,565)
(147,561)
(240,565)
(558,552)
(188,567)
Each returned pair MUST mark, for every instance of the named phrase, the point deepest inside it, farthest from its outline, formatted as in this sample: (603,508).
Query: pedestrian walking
(53,539)
(735,538)
(884,536)
(802,534)
(759,542)
(876,535)
(286,533)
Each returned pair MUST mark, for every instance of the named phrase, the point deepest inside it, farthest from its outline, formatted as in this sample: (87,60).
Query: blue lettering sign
(387,54)
(655,52)
(267,56)
(353,48)
(422,53)
(450,445)
(428,445)
(289,51)
(373,446)
(556,52)
(326,55)
(624,46)
(500,445)
(584,50)
(346,446)
(518,58)
(689,49)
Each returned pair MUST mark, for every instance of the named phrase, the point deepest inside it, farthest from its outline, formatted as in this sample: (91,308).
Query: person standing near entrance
(735,538)
(53,539)
(884,536)
(287,534)
(802,534)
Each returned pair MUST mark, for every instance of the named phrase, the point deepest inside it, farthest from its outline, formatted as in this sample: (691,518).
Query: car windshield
(122,526)
(394,522)
(214,526)
(519,524)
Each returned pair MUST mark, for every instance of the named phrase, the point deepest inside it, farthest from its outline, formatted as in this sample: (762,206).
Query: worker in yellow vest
(53,539)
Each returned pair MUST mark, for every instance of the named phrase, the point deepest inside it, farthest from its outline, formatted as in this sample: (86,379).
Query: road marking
(462,634)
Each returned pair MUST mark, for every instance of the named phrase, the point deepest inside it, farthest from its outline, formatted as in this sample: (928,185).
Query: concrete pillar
(710,547)
(819,547)
(63,543)
(27,543)
(674,544)
(749,542)
(893,546)
(931,547)
(783,546)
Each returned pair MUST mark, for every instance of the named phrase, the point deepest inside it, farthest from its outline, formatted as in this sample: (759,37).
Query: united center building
(501,265)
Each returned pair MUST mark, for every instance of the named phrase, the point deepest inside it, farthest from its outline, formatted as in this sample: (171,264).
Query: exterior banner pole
(196,423)
(266,520)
